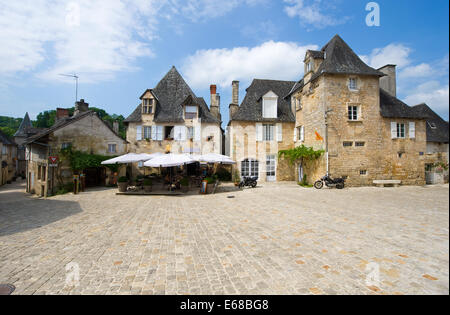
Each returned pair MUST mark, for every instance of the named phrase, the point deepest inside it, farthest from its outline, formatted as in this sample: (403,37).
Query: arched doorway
(250,168)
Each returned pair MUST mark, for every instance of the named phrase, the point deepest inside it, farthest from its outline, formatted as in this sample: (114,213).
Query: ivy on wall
(80,161)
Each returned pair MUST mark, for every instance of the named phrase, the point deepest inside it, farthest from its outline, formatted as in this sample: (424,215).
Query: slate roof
(341,59)
(441,132)
(63,123)
(251,107)
(316,54)
(5,139)
(24,127)
(392,107)
(171,92)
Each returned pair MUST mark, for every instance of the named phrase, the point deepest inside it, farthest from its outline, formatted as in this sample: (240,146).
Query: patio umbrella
(131,158)
(170,160)
(215,158)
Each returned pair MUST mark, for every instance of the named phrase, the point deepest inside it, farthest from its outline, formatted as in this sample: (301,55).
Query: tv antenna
(76,87)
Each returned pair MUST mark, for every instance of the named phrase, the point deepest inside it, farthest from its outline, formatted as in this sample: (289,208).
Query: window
(4,150)
(159,133)
(39,172)
(401,131)
(271,166)
(169,133)
(432,125)
(191,112)
(298,104)
(348,144)
(309,66)
(268,132)
(352,84)
(190,133)
(148,106)
(363,172)
(250,168)
(360,144)
(147,133)
(112,148)
(301,133)
(66,145)
(353,113)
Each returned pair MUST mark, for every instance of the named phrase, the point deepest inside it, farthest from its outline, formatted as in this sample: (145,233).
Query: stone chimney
(61,113)
(81,107)
(116,127)
(215,103)
(389,82)
(234,106)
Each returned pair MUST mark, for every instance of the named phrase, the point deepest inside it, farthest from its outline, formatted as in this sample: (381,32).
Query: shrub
(184,182)
(210,180)
(223,175)
(148,182)
(237,176)
(123,179)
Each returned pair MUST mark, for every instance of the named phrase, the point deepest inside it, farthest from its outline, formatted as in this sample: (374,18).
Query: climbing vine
(80,161)
(300,154)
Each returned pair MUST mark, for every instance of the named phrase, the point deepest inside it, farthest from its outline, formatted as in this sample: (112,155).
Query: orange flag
(318,137)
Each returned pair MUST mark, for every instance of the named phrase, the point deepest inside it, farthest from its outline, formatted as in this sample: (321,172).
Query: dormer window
(432,125)
(309,66)
(191,112)
(147,107)
(270,105)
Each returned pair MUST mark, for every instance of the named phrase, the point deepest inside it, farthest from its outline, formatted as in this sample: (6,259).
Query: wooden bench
(383,183)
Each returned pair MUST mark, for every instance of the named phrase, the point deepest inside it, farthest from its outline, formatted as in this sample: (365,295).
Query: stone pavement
(276,239)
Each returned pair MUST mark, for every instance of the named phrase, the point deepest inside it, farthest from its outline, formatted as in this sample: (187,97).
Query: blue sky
(119,48)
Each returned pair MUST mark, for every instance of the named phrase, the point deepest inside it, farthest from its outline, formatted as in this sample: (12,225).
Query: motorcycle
(249,182)
(339,183)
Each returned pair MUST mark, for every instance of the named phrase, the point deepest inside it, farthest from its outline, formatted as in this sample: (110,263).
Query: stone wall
(381,157)
(243,145)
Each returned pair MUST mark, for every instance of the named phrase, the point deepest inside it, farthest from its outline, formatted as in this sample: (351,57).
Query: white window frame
(301,133)
(250,168)
(271,167)
(112,145)
(268,132)
(351,110)
(353,84)
(191,110)
(399,131)
(147,132)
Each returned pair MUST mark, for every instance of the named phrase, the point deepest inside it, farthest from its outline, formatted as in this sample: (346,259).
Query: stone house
(85,132)
(351,111)
(171,118)
(259,128)
(8,158)
(25,131)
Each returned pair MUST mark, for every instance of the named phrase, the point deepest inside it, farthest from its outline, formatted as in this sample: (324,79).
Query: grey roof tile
(251,107)
(438,134)
(392,107)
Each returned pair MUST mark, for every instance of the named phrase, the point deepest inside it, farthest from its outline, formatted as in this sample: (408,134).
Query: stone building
(85,132)
(25,131)
(8,159)
(259,128)
(351,111)
(171,118)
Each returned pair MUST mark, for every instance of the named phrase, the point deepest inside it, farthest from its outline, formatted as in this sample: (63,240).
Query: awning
(170,160)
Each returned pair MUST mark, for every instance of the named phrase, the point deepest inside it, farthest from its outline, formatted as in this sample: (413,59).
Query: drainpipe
(327,154)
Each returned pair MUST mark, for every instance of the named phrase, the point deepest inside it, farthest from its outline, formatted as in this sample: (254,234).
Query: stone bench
(383,183)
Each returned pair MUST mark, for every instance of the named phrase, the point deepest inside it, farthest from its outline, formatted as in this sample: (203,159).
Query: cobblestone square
(275,239)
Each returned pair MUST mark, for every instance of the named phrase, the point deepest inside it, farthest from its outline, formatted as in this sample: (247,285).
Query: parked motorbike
(249,182)
(339,183)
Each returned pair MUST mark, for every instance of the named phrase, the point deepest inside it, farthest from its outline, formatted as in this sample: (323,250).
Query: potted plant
(148,185)
(123,184)
(237,178)
(185,185)
(211,181)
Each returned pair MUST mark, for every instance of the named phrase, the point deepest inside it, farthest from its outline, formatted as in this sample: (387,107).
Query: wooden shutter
(177,133)
(412,130)
(138,133)
(183,132)
(394,130)
(154,135)
(302,134)
(259,132)
(279,132)
(295,135)
(159,133)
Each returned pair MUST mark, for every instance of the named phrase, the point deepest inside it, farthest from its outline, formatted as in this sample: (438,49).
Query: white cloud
(44,36)
(433,93)
(271,60)
(310,12)
(422,70)
(397,54)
